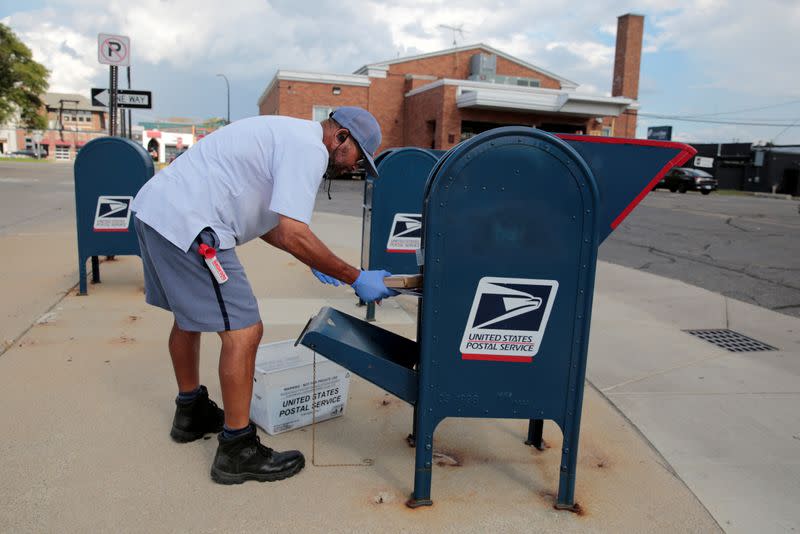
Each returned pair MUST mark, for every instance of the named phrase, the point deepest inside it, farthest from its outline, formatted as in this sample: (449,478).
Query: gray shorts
(180,282)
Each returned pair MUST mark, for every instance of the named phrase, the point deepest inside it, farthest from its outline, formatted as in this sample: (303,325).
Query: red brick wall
(628,56)
(405,121)
(627,63)
(50,139)
(509,68)
(270,104)
(386,103)
(625,124)
(297,99)
(456,66)
(450,134)
(419,110)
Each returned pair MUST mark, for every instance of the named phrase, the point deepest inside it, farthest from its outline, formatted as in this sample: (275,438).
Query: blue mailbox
(109,171)
(512,220)
(392,223)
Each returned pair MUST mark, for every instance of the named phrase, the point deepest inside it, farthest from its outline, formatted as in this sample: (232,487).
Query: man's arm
(297,239)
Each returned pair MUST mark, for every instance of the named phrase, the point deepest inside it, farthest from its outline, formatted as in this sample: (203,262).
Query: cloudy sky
(716,61)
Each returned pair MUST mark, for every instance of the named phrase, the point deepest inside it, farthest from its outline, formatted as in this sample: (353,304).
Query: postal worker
(255,178)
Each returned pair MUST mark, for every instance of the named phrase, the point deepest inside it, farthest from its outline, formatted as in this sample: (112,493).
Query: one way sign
(126,98)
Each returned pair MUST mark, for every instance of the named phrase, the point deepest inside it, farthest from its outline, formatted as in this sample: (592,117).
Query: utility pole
(228,85)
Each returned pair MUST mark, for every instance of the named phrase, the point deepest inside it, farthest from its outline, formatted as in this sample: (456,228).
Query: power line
(782,131)
(713,121)
(740,110)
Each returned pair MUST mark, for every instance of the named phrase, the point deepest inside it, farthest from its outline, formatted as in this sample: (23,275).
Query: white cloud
(737,45)
(594,54)
(748,46)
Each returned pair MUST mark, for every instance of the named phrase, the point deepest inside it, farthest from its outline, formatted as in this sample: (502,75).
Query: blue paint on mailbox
(109,171)
(393,209)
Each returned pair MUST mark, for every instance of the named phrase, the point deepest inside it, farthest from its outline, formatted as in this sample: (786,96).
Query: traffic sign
(114,49)
(126,98)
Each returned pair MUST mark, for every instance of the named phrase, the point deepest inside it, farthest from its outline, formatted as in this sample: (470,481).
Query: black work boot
(196,418)
(244,458)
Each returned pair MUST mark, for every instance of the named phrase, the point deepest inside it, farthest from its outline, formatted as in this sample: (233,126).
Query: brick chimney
(627,61)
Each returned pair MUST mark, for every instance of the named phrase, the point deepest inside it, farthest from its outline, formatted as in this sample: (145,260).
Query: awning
(540,100)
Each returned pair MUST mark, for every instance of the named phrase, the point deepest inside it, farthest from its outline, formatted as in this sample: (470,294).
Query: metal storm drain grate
(730,340)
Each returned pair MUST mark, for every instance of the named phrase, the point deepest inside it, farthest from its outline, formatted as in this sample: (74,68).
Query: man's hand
(370,286)
(325,279)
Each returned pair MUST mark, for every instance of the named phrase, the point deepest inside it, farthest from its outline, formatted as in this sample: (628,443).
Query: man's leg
(195,414)
(184,348)
(240,455)
(237,364)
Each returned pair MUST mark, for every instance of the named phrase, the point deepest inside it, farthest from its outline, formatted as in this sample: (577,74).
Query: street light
(228,85)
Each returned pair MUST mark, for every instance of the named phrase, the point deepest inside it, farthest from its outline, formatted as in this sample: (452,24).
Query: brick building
(72,122)
(438,99)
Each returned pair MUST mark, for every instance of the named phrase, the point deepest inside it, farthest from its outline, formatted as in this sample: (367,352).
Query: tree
(22,82)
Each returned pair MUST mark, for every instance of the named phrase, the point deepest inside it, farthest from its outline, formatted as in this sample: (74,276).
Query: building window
(62,152)
(320,113)
(606,131)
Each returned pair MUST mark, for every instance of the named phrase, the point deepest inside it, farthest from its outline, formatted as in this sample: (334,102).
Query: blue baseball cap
(364,129)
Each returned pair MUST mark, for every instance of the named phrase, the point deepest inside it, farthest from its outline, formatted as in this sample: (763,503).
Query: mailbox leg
(566,482)
(535,427)
(424,462)
(95,270)
(82,275)
(411,439)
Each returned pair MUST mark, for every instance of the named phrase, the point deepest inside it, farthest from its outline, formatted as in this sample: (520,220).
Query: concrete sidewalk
(727,422)
(87,395)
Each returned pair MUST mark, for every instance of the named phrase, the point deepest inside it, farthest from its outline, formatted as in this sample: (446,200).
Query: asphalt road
(33,195)
(744,247)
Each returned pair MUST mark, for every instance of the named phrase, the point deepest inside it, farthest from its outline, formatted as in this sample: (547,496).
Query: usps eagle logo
(406,233)
(508,319)
(113,213)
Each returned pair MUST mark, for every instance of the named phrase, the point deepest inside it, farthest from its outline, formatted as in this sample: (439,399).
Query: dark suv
(683,179)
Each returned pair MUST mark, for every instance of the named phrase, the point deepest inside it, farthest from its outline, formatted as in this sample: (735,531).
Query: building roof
(487,95)
(565,83)
(314,77)
(53,101)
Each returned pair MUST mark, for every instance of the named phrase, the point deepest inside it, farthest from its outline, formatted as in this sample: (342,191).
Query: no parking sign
(114,49)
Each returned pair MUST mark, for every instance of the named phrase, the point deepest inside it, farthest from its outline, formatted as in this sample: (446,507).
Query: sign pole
(130,124)
(112,103)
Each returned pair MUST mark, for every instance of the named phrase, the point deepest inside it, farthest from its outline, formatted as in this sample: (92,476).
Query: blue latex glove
(325,279)
(370,286)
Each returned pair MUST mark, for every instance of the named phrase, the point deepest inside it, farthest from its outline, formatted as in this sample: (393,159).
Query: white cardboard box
(282,387)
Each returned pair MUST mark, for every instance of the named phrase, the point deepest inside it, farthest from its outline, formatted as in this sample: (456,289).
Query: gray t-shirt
(236,181)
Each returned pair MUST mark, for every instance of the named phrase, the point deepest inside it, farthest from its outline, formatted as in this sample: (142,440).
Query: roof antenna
(455,29)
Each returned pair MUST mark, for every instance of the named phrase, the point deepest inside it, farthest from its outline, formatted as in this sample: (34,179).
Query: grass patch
(26,160)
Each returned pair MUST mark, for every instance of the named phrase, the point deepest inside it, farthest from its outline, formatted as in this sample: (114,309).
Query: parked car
(28,153)
(682,179)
